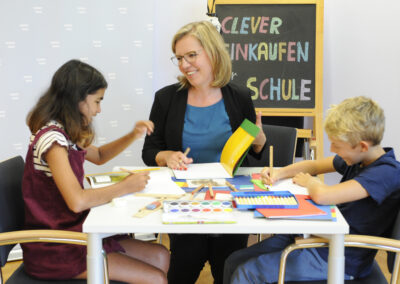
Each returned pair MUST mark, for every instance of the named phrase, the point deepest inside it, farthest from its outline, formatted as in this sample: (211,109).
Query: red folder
(305,209)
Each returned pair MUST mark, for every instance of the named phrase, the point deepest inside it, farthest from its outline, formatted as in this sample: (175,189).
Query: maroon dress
(45,208)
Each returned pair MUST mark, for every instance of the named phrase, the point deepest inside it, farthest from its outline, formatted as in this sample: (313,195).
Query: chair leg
(259,237)
(159,238)
(105,265)
(1,276)
(395,274)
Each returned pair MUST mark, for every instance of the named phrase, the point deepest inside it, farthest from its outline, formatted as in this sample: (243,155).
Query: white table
(107,220)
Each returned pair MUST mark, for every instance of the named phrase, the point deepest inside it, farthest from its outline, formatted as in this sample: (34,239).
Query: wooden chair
(284,140)
(12,222)
(390,245)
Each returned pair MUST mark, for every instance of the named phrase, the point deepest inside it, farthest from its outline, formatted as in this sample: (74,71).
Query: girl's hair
(71,84)
(354,120)
(214,45)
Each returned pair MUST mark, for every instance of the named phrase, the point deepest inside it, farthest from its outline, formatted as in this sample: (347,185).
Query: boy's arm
(104,153)
(312,167)
(321,193)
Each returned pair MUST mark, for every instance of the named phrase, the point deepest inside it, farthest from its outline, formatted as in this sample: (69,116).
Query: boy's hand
(302,179)
(266,177)
(178,161)
(142,127)
(137,181)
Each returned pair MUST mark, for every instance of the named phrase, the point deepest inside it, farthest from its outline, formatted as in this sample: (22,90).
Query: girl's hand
(137,181)
(178,161)
(260,139)
(266,176)
(142,127)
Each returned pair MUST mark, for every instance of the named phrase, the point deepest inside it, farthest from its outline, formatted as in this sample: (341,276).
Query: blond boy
(368,196)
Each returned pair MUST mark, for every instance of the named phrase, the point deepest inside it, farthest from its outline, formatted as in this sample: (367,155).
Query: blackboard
(272,48)
(286,85)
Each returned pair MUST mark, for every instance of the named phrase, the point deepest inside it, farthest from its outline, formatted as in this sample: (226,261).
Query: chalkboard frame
(317,111)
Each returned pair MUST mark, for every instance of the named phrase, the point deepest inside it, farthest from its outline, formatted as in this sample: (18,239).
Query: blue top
(205,131)
(373,215)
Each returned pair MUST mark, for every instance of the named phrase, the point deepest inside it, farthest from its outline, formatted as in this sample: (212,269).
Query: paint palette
(197,212)
(269,199)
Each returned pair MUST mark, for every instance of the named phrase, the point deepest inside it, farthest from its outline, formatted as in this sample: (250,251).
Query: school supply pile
(232,156)
(197,212)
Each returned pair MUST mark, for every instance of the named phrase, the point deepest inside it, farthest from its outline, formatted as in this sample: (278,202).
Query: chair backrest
(284,141)
(11,202)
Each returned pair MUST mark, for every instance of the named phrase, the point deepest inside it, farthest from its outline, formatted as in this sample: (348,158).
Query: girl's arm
(75,197)
(104,153)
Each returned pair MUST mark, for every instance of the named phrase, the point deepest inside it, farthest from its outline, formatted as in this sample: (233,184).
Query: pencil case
(269,199)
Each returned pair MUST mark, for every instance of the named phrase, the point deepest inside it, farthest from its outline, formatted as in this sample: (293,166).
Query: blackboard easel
(276,48)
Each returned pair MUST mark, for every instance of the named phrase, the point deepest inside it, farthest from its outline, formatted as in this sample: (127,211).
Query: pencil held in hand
(271,161)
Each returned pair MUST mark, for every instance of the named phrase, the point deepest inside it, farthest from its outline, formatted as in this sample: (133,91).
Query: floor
(205,276)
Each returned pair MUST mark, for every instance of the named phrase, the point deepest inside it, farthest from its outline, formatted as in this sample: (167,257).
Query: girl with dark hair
(53,193)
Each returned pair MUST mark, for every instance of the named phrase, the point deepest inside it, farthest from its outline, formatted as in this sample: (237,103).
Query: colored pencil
(210,189)
(271,161)
(140,170)
(196,190)
(231,186)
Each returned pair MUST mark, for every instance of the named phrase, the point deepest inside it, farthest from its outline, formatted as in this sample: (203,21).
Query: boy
(368,196)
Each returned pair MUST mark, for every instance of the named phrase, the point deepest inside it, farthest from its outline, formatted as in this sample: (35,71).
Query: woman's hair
(354,120)
(215,48)
(71,84)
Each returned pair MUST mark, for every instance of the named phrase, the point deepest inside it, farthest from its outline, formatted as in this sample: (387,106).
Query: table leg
(336,259)
(94,259)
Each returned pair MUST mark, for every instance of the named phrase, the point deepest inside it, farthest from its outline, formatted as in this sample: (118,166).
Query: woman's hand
(260,139)
(177,160)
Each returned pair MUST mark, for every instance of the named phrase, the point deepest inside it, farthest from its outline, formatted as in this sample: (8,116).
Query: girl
(61,139)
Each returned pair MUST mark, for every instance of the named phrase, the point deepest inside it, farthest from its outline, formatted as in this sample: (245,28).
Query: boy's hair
(71,84)
(214,46)
(354,120)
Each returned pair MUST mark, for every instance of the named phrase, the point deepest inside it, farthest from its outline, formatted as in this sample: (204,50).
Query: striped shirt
(45,142)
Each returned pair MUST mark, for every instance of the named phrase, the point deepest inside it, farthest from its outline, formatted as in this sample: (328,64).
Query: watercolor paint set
(269,199)
(197,212)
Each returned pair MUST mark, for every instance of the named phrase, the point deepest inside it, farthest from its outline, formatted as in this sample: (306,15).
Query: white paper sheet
(202,171)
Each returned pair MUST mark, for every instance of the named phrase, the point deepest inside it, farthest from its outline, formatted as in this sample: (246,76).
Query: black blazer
(168,113)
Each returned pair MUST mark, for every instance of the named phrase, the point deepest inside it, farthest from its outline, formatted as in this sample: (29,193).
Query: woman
(200,112)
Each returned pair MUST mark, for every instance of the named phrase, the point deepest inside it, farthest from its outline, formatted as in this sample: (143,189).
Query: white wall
(361,57)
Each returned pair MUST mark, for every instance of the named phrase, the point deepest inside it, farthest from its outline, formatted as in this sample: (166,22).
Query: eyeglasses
(190,57)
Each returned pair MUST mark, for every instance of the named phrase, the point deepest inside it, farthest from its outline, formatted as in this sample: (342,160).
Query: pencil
(187,151)
(211,190)
(231,186)
(197,189)
(136,171)
(271,161)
